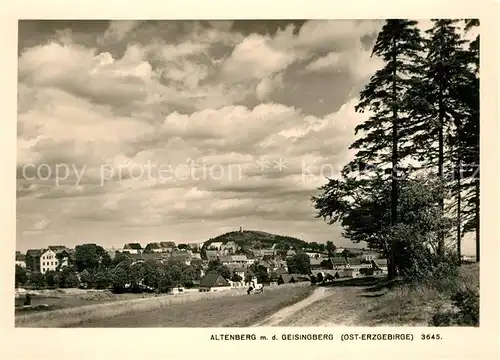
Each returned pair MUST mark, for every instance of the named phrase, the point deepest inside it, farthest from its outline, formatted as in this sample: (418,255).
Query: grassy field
(354,302)
(219,309)
(56,301)
(404,305)
(364,302)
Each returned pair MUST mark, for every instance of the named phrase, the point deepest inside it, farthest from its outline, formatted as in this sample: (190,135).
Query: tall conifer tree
(438,116)
(385,139)
(469,94)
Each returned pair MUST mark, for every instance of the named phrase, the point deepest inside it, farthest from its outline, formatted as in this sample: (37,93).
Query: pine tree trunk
(459,213)
(394,185)
(440,248)
(477,220)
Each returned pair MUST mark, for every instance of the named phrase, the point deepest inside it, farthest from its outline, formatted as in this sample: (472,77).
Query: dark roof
(153,245)
(167,244)
(354,261)
(338,260)
(370,252)
(34,252)
(213,279)
(135,246)
(64,252)
(296,277)
(57,247)
(143,257)
(379,262)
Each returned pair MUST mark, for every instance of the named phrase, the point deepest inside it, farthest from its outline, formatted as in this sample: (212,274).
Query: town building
(32,259)
(213,281)
(215,246)
(133,248)
(229,248)
(48,261)
(369,256)
(153,247)
(20,259)
(168,246)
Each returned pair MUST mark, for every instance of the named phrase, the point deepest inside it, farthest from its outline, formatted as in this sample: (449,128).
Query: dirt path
(277,318)
(342,306)
(325,307)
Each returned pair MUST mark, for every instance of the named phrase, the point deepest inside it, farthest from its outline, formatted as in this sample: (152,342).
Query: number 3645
(430,337)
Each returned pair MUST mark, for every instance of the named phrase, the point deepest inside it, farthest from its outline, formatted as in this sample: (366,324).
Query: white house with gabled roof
(48,261)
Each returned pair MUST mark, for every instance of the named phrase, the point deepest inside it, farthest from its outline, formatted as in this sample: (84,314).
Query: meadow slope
(373,305)
(362,302)
(229,308)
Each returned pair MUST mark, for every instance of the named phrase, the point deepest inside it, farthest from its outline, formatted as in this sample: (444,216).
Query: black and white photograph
(247,173)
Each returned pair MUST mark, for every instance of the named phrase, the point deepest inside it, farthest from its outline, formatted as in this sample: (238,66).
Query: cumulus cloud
(254,57)
(360,63)
(182,131)
(267,86)
(118,29)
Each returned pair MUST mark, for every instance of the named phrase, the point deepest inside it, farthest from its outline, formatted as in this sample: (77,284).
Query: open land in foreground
(219,309)
(357,303)
(368,303)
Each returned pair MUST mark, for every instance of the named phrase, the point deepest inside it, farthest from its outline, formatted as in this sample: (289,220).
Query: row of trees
(413,185)
(66,278)
(93,268)
(124,275)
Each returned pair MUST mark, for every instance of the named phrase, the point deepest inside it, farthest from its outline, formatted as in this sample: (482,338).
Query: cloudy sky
(182,130)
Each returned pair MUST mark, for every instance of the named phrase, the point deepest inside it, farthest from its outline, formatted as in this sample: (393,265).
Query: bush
(366,271)
(119,278)
(313,280)
(464,313)
(37,280)
(21,276)
(66,278)
(416,262)
(319,277)
(101,279)
(50,278)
